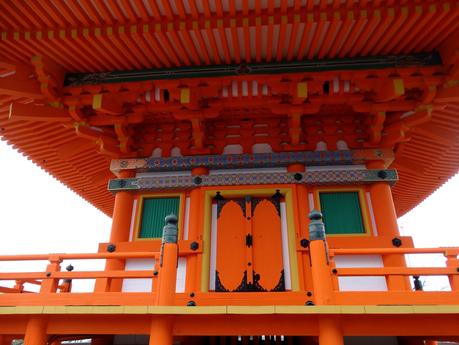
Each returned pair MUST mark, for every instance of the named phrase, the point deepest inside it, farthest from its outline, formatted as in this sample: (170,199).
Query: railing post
(19,286)
(161,328)
(320,264)
(51,284)
(453,261)
(35,333)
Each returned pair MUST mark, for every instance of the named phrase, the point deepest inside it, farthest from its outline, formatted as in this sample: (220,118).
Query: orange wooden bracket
(108,104)
(38,113)
(50,75)
(389,90)
(19,84)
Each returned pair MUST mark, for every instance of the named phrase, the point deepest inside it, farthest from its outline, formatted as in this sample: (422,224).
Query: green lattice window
(154,210)
(342,212)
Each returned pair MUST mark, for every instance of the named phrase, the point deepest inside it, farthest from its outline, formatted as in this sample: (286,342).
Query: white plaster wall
(138,285)
(145,285)
(360,283)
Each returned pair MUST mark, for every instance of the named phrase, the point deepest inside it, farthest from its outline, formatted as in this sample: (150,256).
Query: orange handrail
(446,251)
(78,256)
(76,275)
(401,271)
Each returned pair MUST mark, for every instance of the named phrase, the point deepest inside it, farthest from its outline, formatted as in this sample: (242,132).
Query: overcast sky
(41,215)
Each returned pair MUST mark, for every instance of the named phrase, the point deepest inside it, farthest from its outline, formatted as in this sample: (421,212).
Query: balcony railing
(55,287)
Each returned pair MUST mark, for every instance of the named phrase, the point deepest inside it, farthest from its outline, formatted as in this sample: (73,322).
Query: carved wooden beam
(19,82)
(38,113)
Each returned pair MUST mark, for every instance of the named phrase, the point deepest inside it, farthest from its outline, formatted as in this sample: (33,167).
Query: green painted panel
(342,213)
(154,211)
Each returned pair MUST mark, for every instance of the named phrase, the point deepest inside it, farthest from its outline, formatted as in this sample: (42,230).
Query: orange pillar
(320,267)
(161,328)
(35,333)
(330,332)
(121,223)
(386,223)
(161,332)
(195,231)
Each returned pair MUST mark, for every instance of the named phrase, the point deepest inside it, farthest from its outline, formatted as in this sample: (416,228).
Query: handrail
(446,251)
(394,271)
(77,275)
(79,256)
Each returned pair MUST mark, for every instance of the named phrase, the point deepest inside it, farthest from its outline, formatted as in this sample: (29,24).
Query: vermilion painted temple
(282,139)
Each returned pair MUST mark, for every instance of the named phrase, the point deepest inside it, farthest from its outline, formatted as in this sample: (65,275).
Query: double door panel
(249,245)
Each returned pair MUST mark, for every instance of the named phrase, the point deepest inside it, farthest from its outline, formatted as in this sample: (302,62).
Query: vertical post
(161,327)
(35,333)
(330,332)
(195,212)
(121,223)
(51,284)
(386,221)
(320,267)
(453,261)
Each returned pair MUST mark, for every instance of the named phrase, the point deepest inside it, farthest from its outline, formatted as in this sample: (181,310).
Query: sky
(41,215)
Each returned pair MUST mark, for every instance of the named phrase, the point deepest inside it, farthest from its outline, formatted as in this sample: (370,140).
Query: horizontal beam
(345,64)
(38,113)
(227,309)
(255,160)
(320,177)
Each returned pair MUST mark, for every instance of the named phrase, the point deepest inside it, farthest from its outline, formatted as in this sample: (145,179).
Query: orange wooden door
(249,245)
(231,250)
(268,268)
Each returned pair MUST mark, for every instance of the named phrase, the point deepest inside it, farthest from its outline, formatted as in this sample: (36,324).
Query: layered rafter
(85,36)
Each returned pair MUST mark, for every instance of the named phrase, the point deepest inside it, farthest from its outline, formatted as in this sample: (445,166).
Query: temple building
(254,157)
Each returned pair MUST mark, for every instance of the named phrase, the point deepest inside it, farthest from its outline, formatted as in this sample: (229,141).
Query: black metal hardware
(194,246)
(197,180)
(280,286)
(111,248)
(396,242)
(245,286)
(191,304)
(298,177)
(382,174)
(304,243)
(249,240)
(417,284)
(69,268)
(309,303)
(218,284)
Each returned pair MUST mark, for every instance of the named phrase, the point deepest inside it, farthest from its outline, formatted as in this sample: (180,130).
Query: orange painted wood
(231,249)
(267,244)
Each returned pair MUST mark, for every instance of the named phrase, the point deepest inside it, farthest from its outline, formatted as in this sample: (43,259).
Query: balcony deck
(55,289)
(369,313)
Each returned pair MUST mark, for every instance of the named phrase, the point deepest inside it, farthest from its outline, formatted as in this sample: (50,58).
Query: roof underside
(87,36)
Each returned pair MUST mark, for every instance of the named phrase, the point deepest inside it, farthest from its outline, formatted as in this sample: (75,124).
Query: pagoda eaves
(74,131)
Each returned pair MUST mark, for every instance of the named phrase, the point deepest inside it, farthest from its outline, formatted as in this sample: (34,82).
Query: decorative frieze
(255,160)
(314,177)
